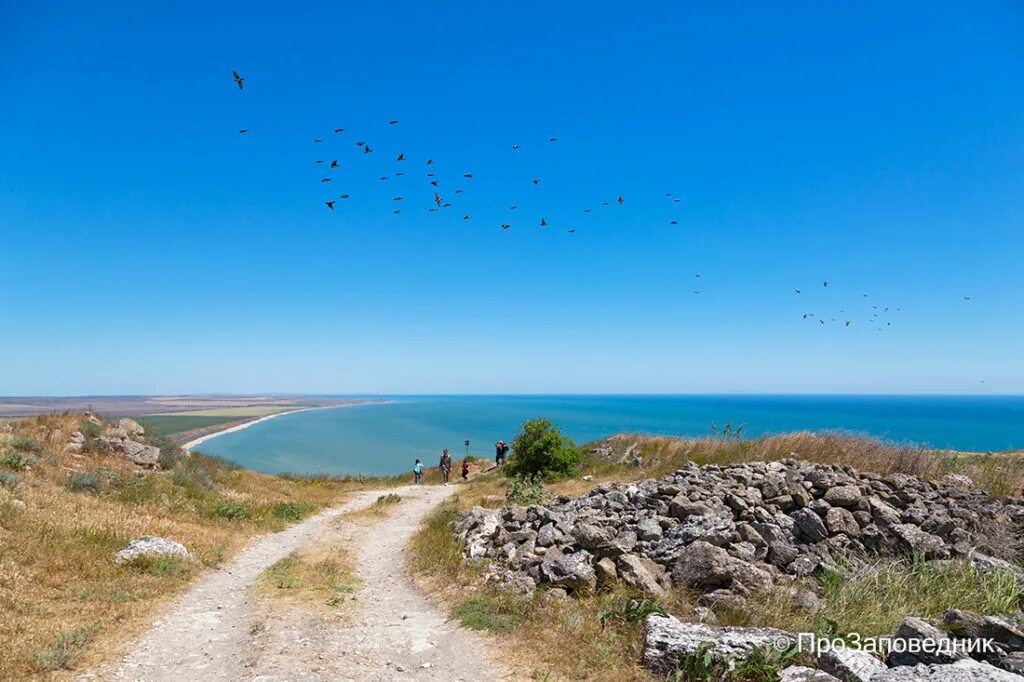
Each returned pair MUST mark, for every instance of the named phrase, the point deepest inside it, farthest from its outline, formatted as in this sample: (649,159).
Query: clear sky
(148,247)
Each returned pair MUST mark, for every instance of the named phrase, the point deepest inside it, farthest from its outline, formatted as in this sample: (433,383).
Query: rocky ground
(730,531)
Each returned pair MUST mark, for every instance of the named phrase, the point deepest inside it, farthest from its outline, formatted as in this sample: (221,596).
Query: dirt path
(392,632)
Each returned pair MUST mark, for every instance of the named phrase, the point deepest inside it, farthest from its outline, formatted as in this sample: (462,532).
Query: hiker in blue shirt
(417,471)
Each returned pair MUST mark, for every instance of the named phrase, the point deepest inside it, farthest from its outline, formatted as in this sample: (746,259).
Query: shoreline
(188,447)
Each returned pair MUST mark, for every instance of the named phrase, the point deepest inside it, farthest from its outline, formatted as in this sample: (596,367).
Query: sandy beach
(188,447)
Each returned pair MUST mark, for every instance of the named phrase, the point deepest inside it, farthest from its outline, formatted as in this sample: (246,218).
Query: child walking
(417,472)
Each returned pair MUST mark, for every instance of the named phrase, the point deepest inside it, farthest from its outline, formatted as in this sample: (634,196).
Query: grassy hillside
(63,516)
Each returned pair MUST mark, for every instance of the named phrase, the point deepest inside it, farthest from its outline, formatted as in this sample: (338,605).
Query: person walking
(465,469)
(445,465)
(417,472)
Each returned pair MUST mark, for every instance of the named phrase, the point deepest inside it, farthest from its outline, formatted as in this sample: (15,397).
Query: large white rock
(667,638)
(150,546)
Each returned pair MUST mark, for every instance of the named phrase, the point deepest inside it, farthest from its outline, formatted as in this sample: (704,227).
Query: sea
(386,435)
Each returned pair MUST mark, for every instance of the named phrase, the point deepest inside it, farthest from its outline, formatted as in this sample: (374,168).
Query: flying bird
(434,183)
(392,122)
(573,231)
(467,175)
(319,161)
(325,179)
(847,323)
(400,157)
(796,290)
(437,198)
(674,222)
(543,223)
(505,226)
(621,200)
(243,131)
(339,130)
(430,162)
(360,143)
(239,81)
(458,191)
(512,208)
(536,181)
(330,204)
(398,198)
(318,140)
(344,196)
(334,164)
(397,211)
(383,177)
(552,139)
(466,217)
(825,283)
(367,149)
(967,298)
(515,146)
(446,206)
(399,173)
(586,210)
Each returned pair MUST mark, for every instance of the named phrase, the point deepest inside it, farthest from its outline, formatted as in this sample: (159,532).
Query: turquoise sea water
(385,438)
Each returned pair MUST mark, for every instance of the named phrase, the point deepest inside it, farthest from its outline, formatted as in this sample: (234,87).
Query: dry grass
(380,509)
(322,574)
(56,570)
(534,631)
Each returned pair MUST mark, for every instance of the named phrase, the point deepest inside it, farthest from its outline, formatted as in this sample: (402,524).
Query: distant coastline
(190,445)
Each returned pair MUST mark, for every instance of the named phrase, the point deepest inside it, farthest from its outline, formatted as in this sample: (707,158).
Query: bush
(8,479)
(64,650)
(291,511)
(525,490)
(542,449)
(85,482)
(90,430)
(16,461)
(25,443)
(228,510)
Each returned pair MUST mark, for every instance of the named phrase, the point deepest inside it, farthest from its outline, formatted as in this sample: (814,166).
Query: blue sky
(148,247)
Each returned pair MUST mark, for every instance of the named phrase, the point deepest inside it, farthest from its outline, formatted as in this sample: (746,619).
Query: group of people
(501,450)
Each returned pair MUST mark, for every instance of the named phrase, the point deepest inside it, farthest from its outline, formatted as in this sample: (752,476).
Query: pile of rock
(963,646)
(127,439)
(731,530)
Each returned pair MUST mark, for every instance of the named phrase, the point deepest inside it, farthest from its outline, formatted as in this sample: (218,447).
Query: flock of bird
(878,314)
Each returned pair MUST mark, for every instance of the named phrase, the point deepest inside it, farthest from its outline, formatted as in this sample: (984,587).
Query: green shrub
(291,511)
(385,500)
(25,443)
(90,430)
(630,611)
(228,510)
(65,647)
(15,461)
(542,449)
(135,490)
(525,490)
(8,479)
(85,482)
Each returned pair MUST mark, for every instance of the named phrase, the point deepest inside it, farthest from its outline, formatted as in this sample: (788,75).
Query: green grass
(863,602)
(168,425)
(233,412)
(65,648)
(16,461)
(483,612)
